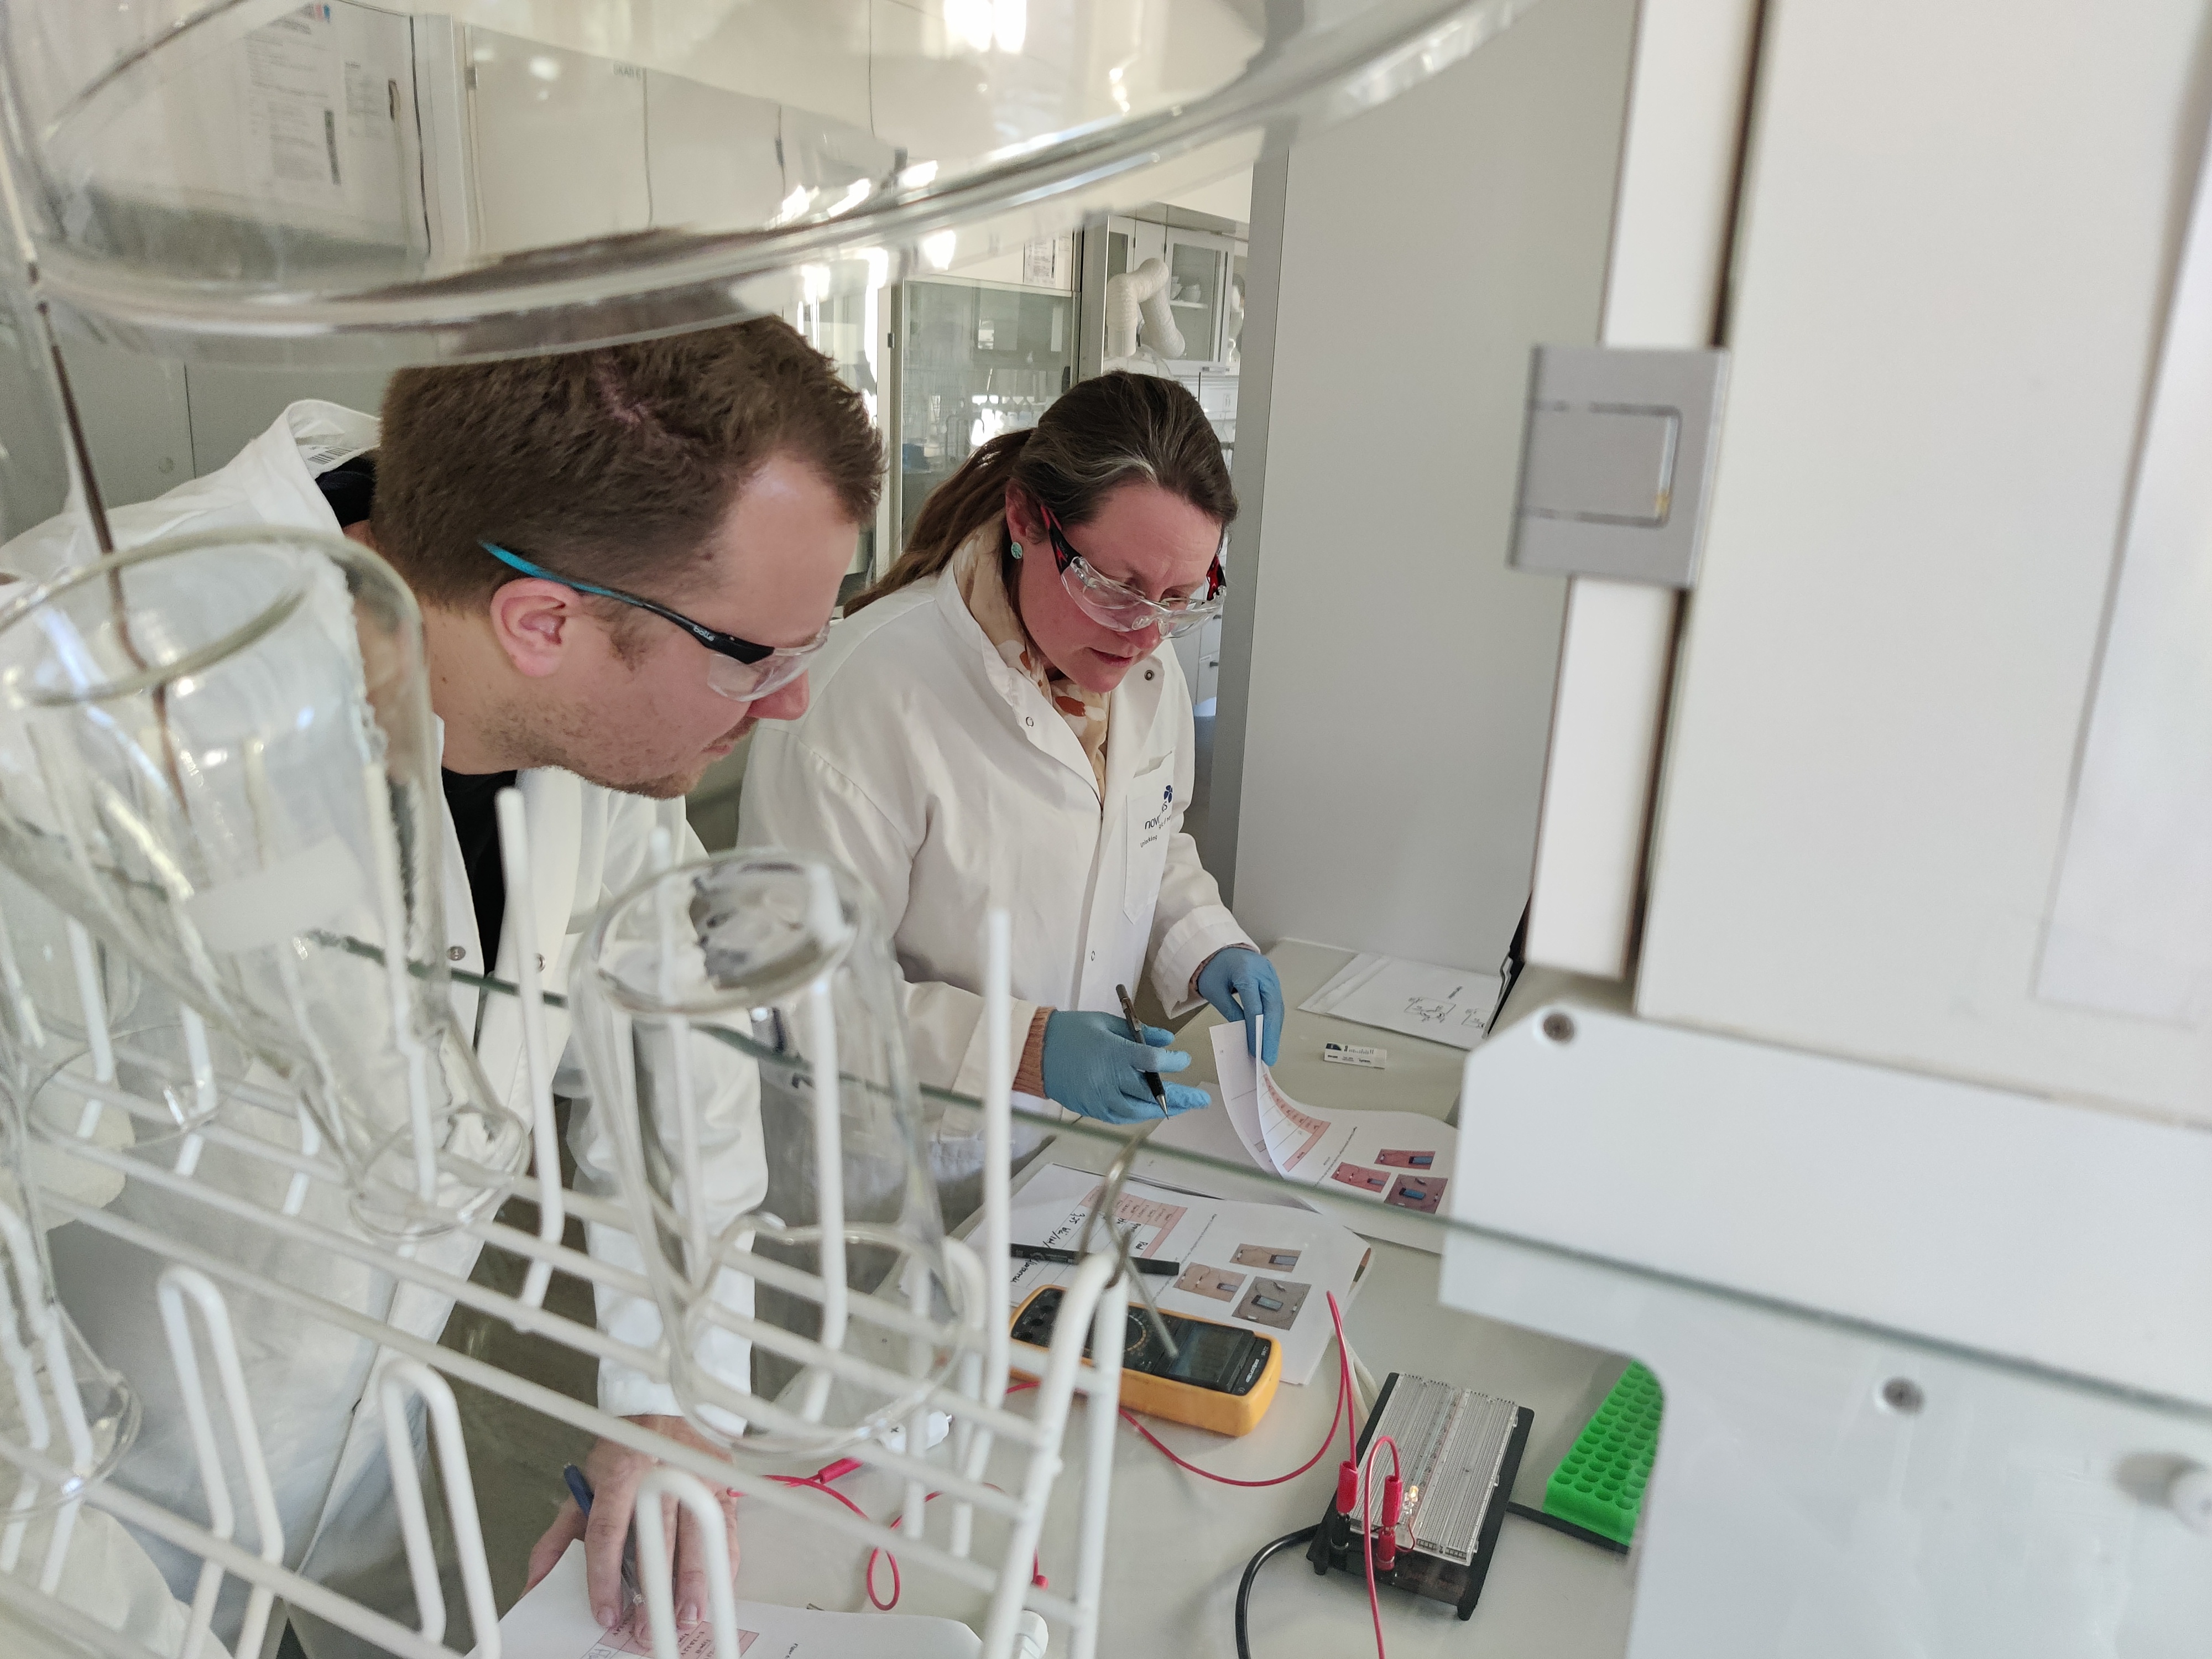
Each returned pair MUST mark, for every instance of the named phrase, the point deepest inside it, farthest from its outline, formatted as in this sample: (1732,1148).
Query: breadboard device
(1459,1453)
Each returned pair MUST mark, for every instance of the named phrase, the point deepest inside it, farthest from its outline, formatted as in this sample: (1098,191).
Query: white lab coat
(319,1428)
(944,779)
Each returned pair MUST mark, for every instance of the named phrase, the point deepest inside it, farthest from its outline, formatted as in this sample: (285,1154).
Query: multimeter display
(1207,1355)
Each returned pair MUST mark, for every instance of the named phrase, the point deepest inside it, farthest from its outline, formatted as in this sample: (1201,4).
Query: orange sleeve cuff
(1029,1076)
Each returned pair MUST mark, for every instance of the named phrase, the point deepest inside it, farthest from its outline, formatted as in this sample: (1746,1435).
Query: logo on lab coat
(1167,800)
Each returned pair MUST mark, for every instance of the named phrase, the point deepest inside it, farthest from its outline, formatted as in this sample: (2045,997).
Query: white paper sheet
(1230,1254)
(1399,1159)
(1444,1005)
(295,96)
(555,1622)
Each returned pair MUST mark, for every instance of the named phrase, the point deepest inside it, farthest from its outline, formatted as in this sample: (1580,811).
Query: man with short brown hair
(625,558)
(726,470)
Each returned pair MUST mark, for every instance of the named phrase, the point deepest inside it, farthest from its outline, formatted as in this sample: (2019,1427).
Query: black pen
(1053,1253)
(1137,1031)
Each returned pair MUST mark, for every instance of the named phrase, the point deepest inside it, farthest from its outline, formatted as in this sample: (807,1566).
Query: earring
(1015,549)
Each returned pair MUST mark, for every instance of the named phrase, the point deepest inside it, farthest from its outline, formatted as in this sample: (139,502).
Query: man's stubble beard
(560,738)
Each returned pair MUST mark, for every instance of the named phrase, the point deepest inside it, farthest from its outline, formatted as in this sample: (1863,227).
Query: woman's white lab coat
(943,778)
(309,1380)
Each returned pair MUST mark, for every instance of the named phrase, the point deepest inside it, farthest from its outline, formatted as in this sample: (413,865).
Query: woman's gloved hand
(1091,1067)
(1241,984)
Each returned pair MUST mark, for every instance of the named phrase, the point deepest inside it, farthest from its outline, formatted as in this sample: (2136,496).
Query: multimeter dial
(1138,1341)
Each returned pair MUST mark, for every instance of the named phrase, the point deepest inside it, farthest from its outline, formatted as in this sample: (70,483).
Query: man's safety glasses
(1122,608)
(740,670)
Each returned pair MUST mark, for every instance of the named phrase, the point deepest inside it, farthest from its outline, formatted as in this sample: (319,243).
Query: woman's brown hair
(1100,434)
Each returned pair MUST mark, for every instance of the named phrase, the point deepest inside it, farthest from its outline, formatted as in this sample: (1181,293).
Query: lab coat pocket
(1150,807)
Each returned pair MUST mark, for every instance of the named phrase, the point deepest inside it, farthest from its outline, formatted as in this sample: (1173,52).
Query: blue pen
(580,1489)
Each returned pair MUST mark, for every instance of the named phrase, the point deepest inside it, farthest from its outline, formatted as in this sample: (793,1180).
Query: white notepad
(1444,1005)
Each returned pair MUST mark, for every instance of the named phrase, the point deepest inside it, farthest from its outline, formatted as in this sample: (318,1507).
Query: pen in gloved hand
(580,1489)
(1137,1030)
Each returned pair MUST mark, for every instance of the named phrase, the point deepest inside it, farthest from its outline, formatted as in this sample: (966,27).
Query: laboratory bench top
(1179,1544)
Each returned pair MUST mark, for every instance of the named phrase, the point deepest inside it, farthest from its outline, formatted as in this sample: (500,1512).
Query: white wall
(1948,296)
(1398,688)
(1225,199)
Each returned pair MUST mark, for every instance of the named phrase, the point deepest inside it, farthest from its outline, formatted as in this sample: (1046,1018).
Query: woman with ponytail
(996,722)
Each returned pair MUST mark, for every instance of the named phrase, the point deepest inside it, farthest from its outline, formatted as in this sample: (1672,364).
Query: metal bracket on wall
(1616,462)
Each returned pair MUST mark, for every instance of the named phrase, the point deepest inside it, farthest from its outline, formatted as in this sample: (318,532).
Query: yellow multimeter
(1223,1377)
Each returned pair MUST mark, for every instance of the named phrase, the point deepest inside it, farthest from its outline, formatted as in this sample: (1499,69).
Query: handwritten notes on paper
(1445,1005)
(1397,1158)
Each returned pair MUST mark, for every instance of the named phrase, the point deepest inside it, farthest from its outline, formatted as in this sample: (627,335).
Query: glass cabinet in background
(969,356)
(1206,262)
(851,330)
(1195,295)
(976,359)
(1204,290)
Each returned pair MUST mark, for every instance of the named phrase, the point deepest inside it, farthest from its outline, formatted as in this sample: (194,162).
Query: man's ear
(534,622)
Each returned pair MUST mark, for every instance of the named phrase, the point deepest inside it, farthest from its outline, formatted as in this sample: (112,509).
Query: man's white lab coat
(319,1430)
(943,778)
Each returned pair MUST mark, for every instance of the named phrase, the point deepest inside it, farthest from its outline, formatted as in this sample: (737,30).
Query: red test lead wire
(1367,1528)
(1347,1480)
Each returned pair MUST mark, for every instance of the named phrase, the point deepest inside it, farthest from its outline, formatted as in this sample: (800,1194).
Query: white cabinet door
(559,144)
(1198,268)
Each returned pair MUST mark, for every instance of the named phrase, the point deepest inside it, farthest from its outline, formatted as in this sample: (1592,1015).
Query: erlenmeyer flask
(57,1400)
(217,752)
(740,1023)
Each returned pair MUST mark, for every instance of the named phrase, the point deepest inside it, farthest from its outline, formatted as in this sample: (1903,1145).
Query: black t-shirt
(351,490)
(469,798)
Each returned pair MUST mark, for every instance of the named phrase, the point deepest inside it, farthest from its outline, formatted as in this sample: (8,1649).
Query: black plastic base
(1337,1543)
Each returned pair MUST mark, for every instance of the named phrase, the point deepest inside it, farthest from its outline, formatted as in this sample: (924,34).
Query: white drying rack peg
(52,1447)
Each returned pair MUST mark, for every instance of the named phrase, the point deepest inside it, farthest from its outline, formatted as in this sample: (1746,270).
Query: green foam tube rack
(1600,1482)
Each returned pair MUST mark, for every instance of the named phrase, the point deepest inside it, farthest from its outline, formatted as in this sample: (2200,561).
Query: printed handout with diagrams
(1394,1158)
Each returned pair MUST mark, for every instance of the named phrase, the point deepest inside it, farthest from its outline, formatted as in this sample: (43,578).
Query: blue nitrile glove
(1242,984)
(1091,1067)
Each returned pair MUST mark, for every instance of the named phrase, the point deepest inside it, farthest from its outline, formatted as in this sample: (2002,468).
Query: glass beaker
(740,1022)
(217,752)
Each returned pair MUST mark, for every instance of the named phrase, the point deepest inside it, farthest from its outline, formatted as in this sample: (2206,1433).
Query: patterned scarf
(976,567)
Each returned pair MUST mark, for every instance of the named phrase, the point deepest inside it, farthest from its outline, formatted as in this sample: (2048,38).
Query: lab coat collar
(269,482)
(279,468)
(1035,718)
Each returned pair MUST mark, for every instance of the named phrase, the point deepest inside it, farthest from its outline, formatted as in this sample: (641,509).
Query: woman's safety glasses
(1122,608)
(739,670)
